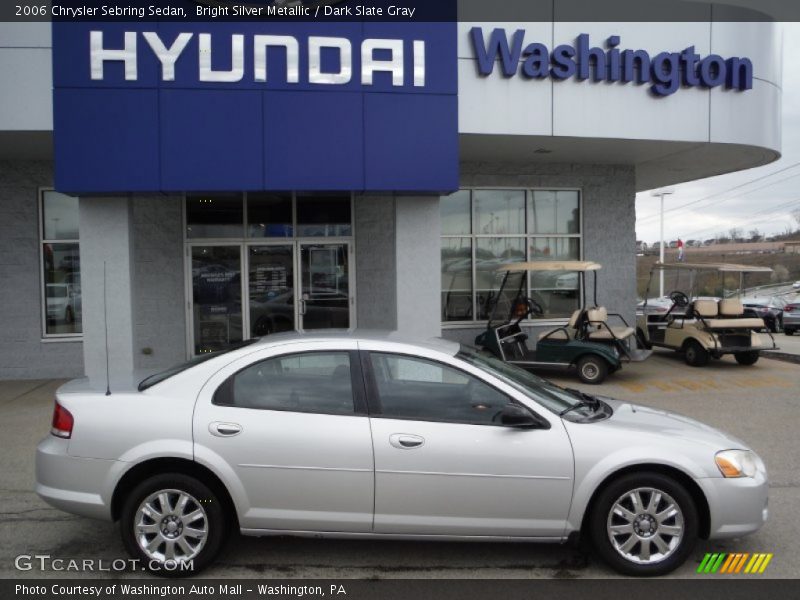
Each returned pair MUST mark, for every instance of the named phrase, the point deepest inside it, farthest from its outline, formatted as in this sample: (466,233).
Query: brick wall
(23,354)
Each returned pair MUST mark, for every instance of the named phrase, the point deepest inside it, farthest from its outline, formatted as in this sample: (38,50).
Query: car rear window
(152,380)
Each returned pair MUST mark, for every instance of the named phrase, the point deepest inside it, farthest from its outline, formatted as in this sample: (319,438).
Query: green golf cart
(587,344)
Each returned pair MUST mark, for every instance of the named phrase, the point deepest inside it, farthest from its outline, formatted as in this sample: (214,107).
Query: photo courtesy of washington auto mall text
(389,300)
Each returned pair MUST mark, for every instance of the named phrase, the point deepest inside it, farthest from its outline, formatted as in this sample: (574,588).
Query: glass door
(325,301)
(216,297)
(271,288)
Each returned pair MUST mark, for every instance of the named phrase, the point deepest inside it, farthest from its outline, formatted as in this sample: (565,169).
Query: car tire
(145,519)
(746,358)
(788,331)
(592,369)
(695,355)
(663,529)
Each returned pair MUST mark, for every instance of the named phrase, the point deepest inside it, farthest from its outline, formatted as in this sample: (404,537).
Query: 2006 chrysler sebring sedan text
(370,435)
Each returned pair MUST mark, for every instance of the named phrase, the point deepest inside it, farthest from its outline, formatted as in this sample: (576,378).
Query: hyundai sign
(172,107)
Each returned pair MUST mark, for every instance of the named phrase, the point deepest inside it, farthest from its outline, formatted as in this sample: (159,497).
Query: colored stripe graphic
(722,562)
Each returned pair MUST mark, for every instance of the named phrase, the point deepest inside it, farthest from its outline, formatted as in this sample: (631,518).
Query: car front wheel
(173,523)
(644,524)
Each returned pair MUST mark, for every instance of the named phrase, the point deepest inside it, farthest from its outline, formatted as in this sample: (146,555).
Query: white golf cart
(704,328)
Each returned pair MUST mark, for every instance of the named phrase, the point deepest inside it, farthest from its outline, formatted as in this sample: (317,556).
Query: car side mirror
(516,416)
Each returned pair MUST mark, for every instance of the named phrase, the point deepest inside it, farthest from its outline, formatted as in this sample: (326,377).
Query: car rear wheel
(788,331)
(695,355)
(173,523)
(644,524)
(746,358)
(592,369)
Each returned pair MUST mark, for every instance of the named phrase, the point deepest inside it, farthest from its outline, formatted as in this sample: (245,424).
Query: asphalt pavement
(760,404)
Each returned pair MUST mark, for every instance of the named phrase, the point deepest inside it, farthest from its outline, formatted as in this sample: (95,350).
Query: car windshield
(174,370)
(549,395)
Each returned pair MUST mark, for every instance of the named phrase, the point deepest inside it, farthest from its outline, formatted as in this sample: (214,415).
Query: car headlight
(736,463)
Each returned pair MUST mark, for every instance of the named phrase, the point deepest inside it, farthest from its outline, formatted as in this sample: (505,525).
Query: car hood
(631,421)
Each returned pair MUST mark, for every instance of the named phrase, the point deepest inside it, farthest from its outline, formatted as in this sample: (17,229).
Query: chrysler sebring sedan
(349,435)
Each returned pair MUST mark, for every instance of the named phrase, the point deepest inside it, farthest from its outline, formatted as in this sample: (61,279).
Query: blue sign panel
(172,107)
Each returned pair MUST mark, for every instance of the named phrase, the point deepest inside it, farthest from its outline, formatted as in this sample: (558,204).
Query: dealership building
(170,189)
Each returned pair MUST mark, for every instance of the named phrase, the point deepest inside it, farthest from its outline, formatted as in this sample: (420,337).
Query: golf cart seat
(563,333)
(730,312)
(598,317)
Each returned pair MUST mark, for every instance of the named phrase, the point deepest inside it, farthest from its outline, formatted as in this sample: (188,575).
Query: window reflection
(499,211)
(553,212)
(455,213)
(456,279)
(61,264)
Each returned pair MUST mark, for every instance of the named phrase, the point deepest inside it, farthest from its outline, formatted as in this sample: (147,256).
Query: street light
(661,194)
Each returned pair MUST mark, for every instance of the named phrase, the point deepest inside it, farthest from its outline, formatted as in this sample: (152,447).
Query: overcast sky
(754,206)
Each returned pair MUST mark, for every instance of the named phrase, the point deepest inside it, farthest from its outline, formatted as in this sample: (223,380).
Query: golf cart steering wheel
(531,307)
(680,299)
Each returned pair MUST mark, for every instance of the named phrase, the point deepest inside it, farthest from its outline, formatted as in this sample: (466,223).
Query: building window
(482,229)
(61,265)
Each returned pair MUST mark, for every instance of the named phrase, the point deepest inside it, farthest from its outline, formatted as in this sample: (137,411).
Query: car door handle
(406,441)
(224,429)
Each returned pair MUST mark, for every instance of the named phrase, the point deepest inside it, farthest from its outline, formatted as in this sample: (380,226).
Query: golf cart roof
(552,265)
(718,267)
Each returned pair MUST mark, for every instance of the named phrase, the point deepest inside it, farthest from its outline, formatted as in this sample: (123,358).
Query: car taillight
(62,422)
(789,308)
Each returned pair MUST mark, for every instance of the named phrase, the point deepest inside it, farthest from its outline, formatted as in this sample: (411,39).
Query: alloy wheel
(645,525)
(171,525)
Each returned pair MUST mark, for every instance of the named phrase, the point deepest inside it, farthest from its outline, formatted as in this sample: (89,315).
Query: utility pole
(661,194)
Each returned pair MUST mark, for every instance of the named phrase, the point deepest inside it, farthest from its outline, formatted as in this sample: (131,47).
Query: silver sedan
(348,435)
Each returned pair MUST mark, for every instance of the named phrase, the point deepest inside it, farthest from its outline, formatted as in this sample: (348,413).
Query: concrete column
(419,272)
(376,285)
(106,226)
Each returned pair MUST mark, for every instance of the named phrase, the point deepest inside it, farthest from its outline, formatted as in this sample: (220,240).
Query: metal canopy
(717,267)
(547,265)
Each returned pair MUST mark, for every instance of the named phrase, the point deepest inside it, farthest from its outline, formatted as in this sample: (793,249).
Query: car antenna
(105,323)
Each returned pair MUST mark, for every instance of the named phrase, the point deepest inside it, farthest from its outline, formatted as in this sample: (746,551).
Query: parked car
(796,285)
(791,318)
(337,435)
(63,303)
(769,308)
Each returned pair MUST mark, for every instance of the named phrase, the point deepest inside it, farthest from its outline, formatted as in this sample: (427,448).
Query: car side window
(316,382)
(425,390)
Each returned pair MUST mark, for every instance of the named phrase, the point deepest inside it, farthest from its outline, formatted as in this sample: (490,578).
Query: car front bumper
(81,486)
(738,506)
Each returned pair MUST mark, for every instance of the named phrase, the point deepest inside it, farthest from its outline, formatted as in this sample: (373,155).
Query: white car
(370,436)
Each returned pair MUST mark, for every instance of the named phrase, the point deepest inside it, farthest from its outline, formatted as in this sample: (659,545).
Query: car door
(445,466)
(287,432)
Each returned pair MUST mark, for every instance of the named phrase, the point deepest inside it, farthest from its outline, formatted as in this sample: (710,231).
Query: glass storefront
(483,229)
(61,265)
(266,263)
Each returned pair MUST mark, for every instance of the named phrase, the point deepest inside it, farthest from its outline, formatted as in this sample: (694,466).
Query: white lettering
(167,56)
(98,55)
(260,43)
(236,72)
(369,64)
(315,74)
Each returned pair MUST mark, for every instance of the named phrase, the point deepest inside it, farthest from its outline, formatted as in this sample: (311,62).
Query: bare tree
(735,233)
(755,235)
(796,216)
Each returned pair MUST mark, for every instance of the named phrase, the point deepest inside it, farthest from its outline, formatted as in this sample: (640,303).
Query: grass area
(786,267)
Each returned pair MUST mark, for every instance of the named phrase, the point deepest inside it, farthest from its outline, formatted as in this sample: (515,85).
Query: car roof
(359,335)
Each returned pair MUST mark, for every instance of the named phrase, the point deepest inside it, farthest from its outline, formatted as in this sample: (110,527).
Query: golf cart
(703,328)
(587,343)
